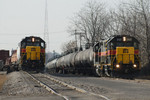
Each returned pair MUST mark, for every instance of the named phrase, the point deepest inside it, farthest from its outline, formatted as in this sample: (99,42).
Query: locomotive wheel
(98,71)
(112,73)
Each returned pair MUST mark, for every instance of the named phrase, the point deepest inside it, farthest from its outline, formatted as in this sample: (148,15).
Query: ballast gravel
(19,84)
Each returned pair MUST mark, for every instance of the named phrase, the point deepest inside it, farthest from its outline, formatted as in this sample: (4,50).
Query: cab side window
(23,45)
(135,45)
(42,45)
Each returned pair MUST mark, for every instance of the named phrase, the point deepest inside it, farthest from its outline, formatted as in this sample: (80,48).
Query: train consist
(30,55)
(119,54)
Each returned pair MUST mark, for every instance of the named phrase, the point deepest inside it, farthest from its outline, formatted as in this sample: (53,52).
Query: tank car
(51,66)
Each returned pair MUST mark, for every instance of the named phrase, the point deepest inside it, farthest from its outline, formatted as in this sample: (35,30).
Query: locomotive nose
(33,52)
(125,55)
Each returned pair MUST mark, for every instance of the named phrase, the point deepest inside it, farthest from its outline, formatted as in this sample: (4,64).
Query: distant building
(4,54)
(14,56)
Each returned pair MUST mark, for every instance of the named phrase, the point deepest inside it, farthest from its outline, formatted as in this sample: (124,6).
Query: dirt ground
(2,80)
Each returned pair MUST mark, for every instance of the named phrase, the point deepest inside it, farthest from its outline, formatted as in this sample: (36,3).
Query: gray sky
(20,18)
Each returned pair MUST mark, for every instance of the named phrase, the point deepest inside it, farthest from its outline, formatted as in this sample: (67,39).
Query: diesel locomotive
(32,53)
(118,54)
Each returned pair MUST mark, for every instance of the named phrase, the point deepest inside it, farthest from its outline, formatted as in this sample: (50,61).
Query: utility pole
(46,33)
(80,34)
(76,37)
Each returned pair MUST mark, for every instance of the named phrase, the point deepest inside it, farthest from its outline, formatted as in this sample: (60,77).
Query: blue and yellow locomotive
(119,54)
(32,53)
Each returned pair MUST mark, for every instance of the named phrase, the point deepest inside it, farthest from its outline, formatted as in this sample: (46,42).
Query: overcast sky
(20,18)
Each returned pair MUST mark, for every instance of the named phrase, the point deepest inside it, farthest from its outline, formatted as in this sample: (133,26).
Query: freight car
(119,54)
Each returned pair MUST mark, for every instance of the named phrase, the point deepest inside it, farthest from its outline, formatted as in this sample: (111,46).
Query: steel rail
(47,87)
(76,88)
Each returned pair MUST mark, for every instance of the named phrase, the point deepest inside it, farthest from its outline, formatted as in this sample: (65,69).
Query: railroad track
(64,90)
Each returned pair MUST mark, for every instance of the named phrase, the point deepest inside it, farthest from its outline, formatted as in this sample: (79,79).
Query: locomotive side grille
(125,55)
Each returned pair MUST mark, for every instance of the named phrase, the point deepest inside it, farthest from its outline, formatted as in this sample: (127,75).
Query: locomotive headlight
(134,65)
(124,39)
(117,66)
(33,39)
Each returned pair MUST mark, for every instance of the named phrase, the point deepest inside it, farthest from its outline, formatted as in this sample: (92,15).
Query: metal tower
(46,33)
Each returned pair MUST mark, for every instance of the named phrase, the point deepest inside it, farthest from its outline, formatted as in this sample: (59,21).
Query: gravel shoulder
(20,86)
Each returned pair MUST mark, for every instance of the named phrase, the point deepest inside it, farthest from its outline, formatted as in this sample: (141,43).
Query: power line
(32,33)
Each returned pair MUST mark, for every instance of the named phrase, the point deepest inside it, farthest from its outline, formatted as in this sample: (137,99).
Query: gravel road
(113,88)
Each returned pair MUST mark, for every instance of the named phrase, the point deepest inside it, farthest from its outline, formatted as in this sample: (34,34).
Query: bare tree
(68,46)
(92,20)
(144,12)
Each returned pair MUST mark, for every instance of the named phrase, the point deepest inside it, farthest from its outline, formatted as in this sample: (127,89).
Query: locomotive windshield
(33,44)
(124,44)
